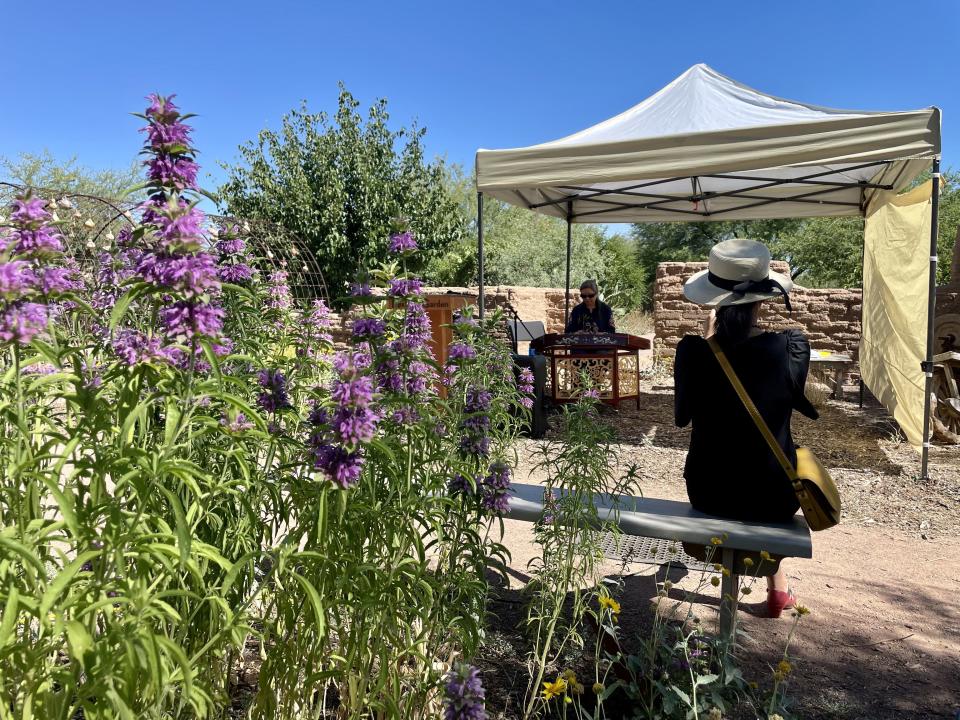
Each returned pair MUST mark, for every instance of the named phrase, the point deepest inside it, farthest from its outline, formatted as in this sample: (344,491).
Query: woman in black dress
(730,470)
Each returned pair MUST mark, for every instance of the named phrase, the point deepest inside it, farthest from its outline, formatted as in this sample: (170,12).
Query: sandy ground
(883,638)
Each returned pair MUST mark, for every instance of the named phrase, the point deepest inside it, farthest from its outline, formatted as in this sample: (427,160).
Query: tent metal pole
(566,295)
(480,298)
(931,310)
(863,295)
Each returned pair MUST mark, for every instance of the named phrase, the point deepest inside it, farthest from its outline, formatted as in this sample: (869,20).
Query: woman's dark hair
(733,322)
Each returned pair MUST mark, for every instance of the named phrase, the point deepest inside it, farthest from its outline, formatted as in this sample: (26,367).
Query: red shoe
(778,601)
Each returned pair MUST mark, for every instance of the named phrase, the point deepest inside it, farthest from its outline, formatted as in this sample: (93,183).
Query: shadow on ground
(836,680)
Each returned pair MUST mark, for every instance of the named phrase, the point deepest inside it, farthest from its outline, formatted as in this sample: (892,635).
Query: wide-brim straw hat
(738,272)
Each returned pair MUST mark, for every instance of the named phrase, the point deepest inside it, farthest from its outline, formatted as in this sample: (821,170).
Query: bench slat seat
(677,520)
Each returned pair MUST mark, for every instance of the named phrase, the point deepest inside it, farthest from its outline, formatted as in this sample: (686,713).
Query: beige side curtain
(895,296)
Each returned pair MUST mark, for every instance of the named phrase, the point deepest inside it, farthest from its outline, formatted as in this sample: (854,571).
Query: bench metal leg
(729,591)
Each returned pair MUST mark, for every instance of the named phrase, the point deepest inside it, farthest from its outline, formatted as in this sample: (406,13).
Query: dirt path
(883,638)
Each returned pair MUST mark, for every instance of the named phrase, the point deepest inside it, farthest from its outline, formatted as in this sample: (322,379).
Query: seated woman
(730,469)
(591,315)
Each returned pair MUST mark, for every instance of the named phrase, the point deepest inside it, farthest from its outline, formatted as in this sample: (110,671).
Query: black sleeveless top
(730,470)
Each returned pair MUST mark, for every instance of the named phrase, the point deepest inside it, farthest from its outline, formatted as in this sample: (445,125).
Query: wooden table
(606,362)
(829,361)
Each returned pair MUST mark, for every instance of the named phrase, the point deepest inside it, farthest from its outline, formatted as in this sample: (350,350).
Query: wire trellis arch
(87,238)
(285,251)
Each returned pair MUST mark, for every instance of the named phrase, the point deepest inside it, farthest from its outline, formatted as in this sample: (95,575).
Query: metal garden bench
(677,521)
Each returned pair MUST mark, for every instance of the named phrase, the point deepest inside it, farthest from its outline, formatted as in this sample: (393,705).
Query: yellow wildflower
(597,688)
(715,581)
(667,584)
(784,667)
(576,688)
(748,562)
(570,676)
(718,567)
(555,689)
(802,610)
(715,714)
(775,716)
(725,571)
(607,602)
(716,541)
(747,590)
(766,556)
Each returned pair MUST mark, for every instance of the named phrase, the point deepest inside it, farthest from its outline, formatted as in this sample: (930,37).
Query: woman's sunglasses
(588,296)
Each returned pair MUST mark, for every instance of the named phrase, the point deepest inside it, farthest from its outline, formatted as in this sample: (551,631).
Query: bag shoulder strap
(752,409)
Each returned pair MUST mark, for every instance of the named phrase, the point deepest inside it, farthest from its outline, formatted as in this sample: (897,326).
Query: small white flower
(2,218)
(54,216)
(88,223)
(109,236)
(214,231)
(269,254)
(77,214)
(65,203)
(128,215)
(294,251)
(90,245)
(246,227)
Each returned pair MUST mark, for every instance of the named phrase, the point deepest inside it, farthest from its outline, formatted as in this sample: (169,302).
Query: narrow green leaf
(316,603)
(121,307)
(172,423)
(9,619)
(62,580)
(184,536)
(21,550)
(175,653)
(79,640)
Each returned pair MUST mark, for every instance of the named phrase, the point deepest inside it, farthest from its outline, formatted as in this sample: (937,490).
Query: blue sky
(475,74)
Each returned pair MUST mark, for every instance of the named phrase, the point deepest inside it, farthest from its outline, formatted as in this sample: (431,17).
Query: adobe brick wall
(531,303)
(830,318)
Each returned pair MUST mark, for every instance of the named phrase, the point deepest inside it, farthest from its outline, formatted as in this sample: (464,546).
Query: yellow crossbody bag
(815,489)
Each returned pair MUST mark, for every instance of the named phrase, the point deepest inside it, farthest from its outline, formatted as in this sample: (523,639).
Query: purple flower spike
(361,290)
(404,288)
(461,351)
(185,320)
(274,396)
(236,274)
(278,291)
(238,424)
(402,243)
(496,488)
(16,277)
(368,328)
(465,695)
(339,464)
(21,322)
(59,280)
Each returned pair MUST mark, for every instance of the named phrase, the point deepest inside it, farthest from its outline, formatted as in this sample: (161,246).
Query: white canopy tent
(708,148)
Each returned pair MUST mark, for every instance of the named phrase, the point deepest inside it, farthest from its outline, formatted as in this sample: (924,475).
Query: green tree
(822,252)
(624,282)
(338,183)
(43,170)
(526,248)
(96,197)
(688,242)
